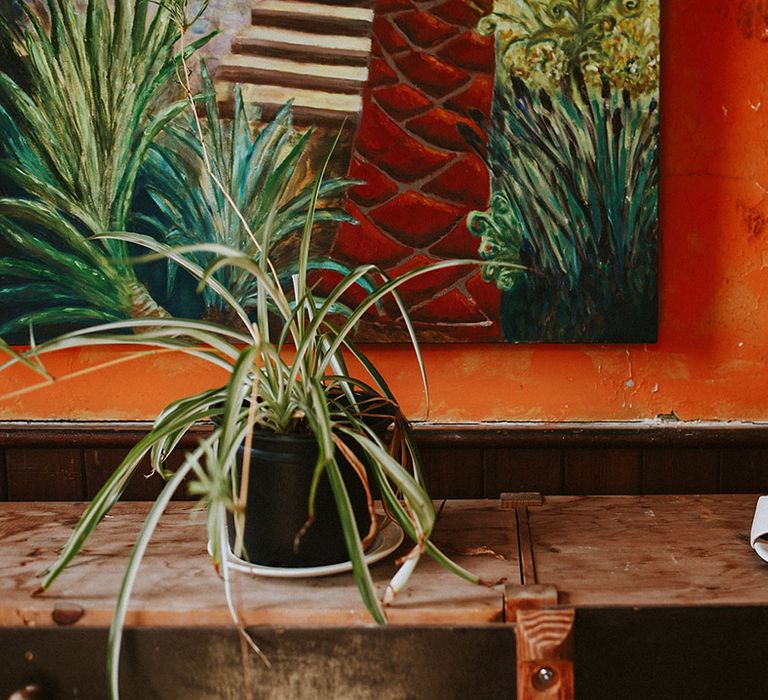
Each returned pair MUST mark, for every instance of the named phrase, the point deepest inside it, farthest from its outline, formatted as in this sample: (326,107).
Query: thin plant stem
(246,473)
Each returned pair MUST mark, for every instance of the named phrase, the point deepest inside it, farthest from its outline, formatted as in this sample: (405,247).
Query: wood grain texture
(522,470)
(685,470)
(41,474)
(454,472)
(178,586)
(649,550)
(744,470)
(602,471)
(527,597)
(545,654)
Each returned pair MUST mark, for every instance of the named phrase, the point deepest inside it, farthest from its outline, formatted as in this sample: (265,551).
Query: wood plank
(713,434)
(83,433)
(454,473)
(357,663)
(3,477)
(177,585)
(545,654)
(744,470)
(40,474)
(101,462)
(523,470)
(685,470)
(601,471)
(649,550)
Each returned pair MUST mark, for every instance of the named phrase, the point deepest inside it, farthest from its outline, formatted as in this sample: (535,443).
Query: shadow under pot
(281,472)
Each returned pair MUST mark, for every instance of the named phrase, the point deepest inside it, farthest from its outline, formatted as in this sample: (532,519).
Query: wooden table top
(606,551)
(598,551)
(177,584)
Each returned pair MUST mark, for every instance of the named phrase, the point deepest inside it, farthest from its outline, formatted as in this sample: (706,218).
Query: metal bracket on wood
(545,654)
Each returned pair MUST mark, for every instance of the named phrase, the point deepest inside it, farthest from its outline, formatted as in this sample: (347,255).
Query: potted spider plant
(288,388)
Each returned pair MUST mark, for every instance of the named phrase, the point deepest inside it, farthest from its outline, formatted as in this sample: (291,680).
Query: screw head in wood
(544,678)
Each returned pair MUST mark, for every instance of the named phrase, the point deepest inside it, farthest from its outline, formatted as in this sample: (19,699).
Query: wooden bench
(648,597)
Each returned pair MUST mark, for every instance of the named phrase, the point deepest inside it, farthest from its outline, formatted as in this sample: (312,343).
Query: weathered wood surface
(177,584)
(649,550)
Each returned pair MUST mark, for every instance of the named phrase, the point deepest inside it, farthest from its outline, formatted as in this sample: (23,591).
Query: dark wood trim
(85,434)
(39,460)
(614,435)
(486,435)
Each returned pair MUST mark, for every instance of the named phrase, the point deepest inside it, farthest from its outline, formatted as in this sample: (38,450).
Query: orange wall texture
(709,362)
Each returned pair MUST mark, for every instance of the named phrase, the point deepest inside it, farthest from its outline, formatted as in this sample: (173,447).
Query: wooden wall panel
(3,477)
(101,462)
(744,470)
(40,474)
(682,470)
(72,461)
(523,470)
(602,471)
(454,472)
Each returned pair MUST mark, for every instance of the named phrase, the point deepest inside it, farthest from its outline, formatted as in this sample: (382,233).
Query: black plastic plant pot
(278,496)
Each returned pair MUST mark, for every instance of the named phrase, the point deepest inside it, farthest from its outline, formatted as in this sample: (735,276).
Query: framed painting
(524,134)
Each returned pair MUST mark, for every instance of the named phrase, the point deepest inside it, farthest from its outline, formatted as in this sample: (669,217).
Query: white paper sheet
(760,528)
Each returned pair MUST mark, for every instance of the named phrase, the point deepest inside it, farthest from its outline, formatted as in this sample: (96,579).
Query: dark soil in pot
(278,494)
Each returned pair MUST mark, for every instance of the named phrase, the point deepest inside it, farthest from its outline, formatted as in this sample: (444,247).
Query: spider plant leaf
(101,504)
(178,256)
(322,426)
(306,236)
(238,389)
(286,226)
(114,642)
(23,359)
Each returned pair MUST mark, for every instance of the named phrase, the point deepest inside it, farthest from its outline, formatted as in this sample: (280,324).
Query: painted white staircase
(315,53)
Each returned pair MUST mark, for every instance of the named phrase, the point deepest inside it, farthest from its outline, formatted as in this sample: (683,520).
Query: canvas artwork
(523,134)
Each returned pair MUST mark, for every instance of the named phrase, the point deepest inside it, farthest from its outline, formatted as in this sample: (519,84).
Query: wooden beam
(545,654)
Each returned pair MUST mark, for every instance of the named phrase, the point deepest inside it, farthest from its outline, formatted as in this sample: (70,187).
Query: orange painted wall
(709,362)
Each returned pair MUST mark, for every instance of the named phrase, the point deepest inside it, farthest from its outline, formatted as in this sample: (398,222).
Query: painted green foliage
(573,154)
(96,137)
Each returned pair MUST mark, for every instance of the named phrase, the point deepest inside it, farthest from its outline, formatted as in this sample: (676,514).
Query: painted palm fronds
(93,98)
(572,151)
(258,170)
